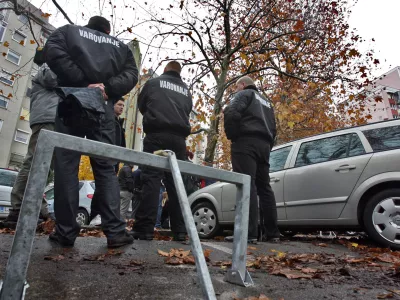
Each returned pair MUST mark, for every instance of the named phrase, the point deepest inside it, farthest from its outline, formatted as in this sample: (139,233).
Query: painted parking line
(218,247)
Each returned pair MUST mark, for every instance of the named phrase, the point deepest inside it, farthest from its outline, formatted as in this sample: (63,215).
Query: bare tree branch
(62,11)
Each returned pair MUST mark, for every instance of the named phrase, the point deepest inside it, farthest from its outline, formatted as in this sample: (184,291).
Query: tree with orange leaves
(302,54)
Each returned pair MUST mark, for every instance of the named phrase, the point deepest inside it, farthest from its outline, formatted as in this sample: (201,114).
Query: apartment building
(19,37)
(387,87)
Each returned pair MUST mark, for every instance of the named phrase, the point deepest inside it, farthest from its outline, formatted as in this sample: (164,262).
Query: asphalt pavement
(328,270)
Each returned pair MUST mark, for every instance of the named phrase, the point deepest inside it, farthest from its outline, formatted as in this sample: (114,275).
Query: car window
(49,195)
(383,139)
(278,159)
(92,184)
(7,178)
(356,147)
(323,150)
(81,183)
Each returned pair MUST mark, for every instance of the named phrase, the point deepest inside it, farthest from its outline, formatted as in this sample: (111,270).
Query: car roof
(334,132)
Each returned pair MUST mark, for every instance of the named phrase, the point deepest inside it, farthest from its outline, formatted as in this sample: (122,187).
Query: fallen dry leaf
(385,296)
(159,237)
(397,292)
(136,263)
(387,258)
(174,261)
(251,248)
(207,253)
(7,231)
(99,257)
(114,252)
(322,245)
(54,258)
(47,227)
(189,260)
(219,238)
(309,270)
(162,253)
(222,264)
(291,274)
(92,233)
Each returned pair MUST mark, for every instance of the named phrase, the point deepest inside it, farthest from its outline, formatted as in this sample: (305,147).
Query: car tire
(206,220)
(82,217)
(382,218)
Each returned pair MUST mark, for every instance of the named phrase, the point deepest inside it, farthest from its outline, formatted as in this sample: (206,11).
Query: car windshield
(7,177)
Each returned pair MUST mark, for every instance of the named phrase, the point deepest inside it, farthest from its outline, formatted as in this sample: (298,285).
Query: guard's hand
(101,87)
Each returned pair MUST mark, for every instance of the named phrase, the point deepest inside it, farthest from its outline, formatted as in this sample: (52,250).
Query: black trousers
(251,156)
(146,215)
(66,183)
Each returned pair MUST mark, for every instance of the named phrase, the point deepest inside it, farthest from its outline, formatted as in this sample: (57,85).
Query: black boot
(180,237)
(55,237)
(120,240)
(147,236)
(12,219)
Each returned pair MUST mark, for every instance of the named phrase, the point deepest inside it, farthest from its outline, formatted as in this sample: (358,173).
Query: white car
(343,180)
(7,179)
(86,192)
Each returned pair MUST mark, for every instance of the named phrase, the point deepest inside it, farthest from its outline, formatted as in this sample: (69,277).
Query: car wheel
(82,217)
(382,218)
(206,220)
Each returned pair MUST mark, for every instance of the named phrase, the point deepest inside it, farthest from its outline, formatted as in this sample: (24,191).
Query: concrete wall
(10,116)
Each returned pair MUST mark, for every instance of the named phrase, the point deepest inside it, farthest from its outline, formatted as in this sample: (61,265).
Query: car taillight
(90,196)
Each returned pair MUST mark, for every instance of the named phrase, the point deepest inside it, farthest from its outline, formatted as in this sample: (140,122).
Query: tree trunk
(212,136)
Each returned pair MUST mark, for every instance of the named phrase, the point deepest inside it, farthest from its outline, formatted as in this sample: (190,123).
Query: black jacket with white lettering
(165,103)
(80,56)
(249,114)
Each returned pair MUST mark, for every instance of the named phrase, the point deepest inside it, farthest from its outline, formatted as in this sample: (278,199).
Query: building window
(13,57)
(5,13)
(35,69)
(43,37)
(1,124)
(3,28)
(21,136)
(6,77)
(23,18)
(19,37)
(3,102)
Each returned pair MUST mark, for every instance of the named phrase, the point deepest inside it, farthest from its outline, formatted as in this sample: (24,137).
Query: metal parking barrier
(14,284)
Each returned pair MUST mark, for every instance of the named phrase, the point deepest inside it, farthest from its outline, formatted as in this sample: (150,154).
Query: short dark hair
(100,24)
(173,66)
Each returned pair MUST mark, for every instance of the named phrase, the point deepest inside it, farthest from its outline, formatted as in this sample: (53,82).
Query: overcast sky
(379,19)
(376,19)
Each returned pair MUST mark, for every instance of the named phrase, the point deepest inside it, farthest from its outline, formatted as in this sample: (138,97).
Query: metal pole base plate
(235,277)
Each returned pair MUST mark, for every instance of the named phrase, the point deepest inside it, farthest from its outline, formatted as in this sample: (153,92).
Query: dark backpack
(81,107)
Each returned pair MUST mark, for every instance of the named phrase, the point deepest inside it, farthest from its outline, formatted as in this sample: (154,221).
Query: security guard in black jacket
(89,57)
(165,103)
(250,124)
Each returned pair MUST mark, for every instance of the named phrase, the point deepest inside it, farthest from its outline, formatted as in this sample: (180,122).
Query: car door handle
(274,179)
(345,168)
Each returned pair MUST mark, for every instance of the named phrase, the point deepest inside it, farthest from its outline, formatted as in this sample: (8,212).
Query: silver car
(7,179)
(86,192)
(346,179)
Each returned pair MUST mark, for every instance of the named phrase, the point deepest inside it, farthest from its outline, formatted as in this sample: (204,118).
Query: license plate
(4,209)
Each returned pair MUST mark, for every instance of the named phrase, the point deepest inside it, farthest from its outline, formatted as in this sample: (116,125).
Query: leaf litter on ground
(181,256)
